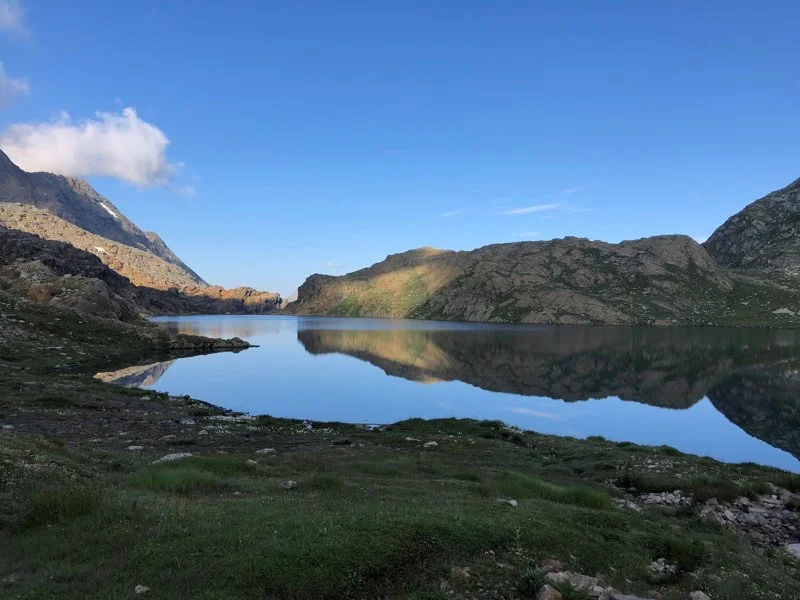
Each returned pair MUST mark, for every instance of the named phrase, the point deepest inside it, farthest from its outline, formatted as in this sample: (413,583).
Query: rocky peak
(763,236)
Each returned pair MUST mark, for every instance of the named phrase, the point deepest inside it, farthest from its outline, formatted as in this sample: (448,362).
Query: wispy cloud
(529,234)
(572,190)
(580,210)
(184,191)
(448,214)
(526,210)
(10,88)
(12,18)
(119,145)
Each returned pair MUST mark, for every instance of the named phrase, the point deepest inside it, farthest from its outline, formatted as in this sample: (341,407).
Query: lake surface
(733,394)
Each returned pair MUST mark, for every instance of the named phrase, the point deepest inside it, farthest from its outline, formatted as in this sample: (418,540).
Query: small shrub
(687,554)
(48,507)
(595,438)
(568,592)
(704,488)
(669,451)
(529,582)
(466,476)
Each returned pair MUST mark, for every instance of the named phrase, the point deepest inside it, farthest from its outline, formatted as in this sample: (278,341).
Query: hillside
(660,280)
(764,237)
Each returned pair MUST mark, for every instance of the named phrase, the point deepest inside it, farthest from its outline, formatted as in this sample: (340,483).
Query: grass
(180,480)
(48,507)
(511,484)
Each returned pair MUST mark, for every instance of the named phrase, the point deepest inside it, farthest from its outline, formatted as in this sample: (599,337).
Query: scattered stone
(429,445)
(625,504)
(698,595)
(251,463)
(266,451)
(509,501)
(289,485)
(141,589)
(794,550)
(174,456)
(551,565)
(459,573)
(8,427)
(784,311)
(662,568)
(188,421)
(168,437)
(412,439)
(578,581)
(135,448)
(202,432)
(549,593)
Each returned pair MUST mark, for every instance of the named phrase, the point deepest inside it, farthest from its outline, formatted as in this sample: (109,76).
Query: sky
(265,141)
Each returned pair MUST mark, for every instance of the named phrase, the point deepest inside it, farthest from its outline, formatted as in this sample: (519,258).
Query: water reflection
(729,393)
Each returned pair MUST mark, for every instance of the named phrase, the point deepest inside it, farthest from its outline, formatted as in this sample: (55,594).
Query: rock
(412,439)
(166,438)
(141,589)
(509,501)
(7,427)
(784,311)
(174,456)
(698,595)
(266,451)
(135,448)
(618,596)
(202,432)
(188,421)
(662,568)
(551,565)
(794,550)
(429,445)
(549,593)
(578,581)
(251,463)
(459,573)
(289,485)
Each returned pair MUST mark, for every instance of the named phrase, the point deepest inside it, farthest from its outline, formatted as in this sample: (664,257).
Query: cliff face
(658,280)
(764,236)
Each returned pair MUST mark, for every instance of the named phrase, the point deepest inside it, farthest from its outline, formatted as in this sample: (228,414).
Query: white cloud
(572,190)
(12,18)
(10,88)
(531,209)
(119,145)
(580,210)
(449,213)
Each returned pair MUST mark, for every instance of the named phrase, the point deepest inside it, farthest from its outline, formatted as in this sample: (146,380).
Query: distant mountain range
(747,273)
(54,209)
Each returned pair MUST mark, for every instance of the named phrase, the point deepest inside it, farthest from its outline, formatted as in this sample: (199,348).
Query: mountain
(64,209)
(763,237)
(658,280)
(76,202)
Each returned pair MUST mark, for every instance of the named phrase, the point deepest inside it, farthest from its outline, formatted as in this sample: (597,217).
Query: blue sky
(321,136)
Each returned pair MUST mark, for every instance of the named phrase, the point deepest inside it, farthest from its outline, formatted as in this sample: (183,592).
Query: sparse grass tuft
(518,485)
(48,507)
(179,480)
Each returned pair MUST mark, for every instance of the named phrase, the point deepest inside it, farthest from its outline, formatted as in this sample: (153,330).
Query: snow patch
(101,250)
(109,211)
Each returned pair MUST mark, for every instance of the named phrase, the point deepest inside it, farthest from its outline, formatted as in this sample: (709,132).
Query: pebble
(266,451)
(698,595)
(8,427)
(135,448)
(289,485)
(509,501)
(429,445)
(252,463)
(202,432)
(141,589)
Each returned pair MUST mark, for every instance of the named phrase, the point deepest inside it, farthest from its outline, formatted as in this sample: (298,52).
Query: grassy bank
(335,510)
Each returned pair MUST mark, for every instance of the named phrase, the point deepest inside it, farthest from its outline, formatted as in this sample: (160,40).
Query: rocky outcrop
(58,273)
(764,236)
(660,280)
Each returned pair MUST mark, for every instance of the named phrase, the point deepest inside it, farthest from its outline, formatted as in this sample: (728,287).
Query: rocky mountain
(660,280)
(763,237)
(76,202)
(63,209)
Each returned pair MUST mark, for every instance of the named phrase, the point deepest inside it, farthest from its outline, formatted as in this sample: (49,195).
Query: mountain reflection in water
(749,376)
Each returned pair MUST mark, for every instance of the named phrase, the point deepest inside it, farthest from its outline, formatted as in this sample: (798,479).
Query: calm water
(730,394)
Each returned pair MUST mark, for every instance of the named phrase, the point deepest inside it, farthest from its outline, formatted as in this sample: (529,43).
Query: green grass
(180,480)
(51,506)
(511,484)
